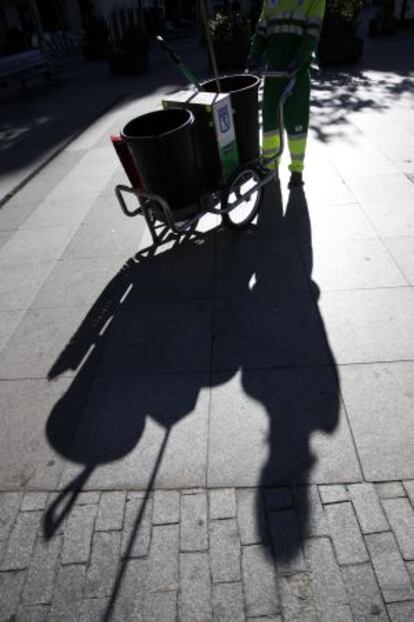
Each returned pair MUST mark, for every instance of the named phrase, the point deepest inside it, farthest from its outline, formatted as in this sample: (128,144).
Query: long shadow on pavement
(199,315)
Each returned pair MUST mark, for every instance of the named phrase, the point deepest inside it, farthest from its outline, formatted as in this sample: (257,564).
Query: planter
(230,58)
(378,28)
(95,50)
(125,63)
(333,52)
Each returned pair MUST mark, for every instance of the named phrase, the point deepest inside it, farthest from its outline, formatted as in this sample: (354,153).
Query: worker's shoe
(296,180)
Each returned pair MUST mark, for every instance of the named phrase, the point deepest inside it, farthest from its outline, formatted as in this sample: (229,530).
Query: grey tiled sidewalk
(221,429)
(222,554)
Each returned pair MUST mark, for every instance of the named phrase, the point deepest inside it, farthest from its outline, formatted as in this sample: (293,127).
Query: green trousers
(296,118)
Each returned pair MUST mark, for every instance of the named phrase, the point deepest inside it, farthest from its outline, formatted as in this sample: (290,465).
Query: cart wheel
(241,184)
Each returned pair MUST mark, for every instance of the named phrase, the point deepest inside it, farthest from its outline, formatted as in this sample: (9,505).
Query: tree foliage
(233,29)
(344,10)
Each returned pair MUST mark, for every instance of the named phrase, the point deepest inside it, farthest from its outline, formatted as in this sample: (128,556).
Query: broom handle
(210,43)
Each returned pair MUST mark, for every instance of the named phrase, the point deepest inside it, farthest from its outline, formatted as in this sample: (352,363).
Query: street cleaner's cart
(200,154)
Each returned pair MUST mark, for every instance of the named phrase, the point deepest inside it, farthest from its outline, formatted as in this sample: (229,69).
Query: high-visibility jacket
(288,31)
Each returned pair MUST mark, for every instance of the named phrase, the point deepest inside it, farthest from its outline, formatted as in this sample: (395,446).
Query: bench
(21,67)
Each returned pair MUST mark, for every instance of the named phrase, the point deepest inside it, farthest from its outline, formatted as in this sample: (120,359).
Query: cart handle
(278,74)
(291,77)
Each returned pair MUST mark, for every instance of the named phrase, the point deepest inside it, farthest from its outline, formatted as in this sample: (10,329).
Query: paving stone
(9,321)
(37,245)
(327,582)
(130,600)
(66,285)
(365,597)
(259,580)
(193,534)
(41,575)
(222,503)
(26,406)
(409,487)
(228,602)
(368,508)
(195,588)
(340,613)
(160,607)
(251,517)
(34,501)
(166,507)
(377,393)
(37,342)
(354,264)
(297,598)
(347,538)
(333,494)
(268,619)
(94,609)
(389,568)
(172,336)
(244,459)
(78,534)
(401,517)
(68,593)
(163,558)
(356,339)
(279,328)
(20,282)
(277,498)
(286,541)
(33,613)
(410,568)
(103,567)
(19,548)
(401,248)
(390,490)
(312,517)
(11,585)
(9,507)
(401,612)
(192,491)
(160,400)
(88,498)
(111,511)
(136,510)
(224,550)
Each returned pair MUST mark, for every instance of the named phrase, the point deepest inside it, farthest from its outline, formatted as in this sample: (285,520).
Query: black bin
(162,146)
(244,94)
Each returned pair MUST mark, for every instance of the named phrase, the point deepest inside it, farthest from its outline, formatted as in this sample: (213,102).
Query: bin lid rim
(235,75)
(189,120)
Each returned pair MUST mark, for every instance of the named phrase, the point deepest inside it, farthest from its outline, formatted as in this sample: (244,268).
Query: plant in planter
(231,40)
(129,52)
(339,42)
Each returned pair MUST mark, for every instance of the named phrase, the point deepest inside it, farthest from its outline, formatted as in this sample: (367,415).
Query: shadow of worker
(269,328)
(300,400)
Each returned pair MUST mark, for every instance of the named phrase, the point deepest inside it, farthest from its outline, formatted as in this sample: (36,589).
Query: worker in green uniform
(287,34)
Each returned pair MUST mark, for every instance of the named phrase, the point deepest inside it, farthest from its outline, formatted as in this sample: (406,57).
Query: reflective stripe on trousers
(270,147)
(297,148)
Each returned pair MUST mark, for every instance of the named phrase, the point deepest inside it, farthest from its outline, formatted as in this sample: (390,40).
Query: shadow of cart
(177,322)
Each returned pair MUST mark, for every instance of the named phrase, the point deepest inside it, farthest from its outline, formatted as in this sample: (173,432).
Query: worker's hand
(253,63)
